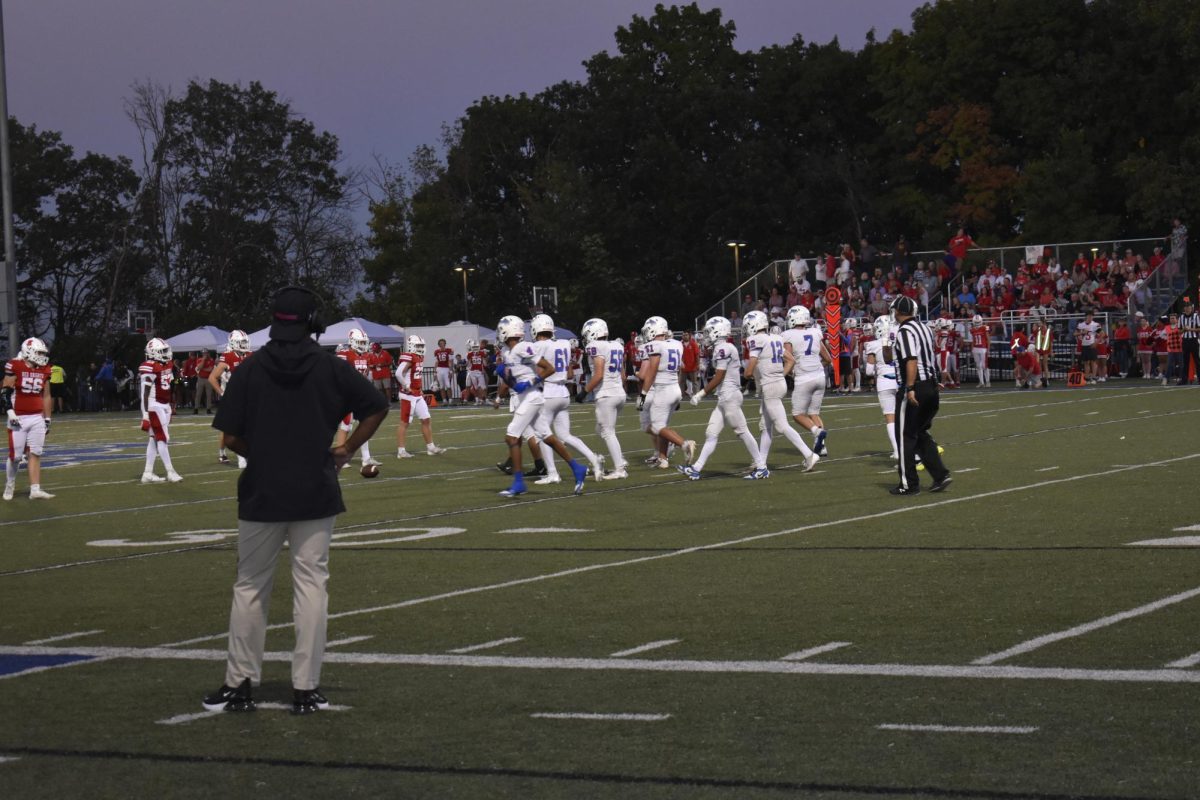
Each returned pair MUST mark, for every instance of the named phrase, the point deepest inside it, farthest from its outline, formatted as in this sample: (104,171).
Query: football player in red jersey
(356,351)
(1026,369)
(27,382)
(154,381)
(476,377)
(443,358)
(412,398)
(237,351)
(981,338)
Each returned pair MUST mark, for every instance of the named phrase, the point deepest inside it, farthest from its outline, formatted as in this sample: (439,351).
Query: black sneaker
(222,459)
(227,699)
(308,701)
(536,472)
(900,491)
(941,484)
(505,467)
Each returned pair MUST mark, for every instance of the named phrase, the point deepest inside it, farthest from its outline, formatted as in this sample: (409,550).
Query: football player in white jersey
(607,385)
(727,383)
(770,362)
(879,355)
(555,418)
(523,369)
(660,392)
(806,343)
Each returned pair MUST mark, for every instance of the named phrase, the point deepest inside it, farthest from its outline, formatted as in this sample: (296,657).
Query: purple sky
(382,75)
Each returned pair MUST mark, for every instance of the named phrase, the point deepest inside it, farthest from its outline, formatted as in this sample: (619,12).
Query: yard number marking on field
(645,648)
(814,651)
(889,726)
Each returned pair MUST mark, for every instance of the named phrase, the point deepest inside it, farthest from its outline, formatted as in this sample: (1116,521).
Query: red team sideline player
(154,379)
(28,378)
(476,377)
(981,340)
(237,351)
(356,351)
(412,398)
(443,359)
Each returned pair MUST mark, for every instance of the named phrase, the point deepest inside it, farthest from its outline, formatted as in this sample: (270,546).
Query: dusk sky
(383,75)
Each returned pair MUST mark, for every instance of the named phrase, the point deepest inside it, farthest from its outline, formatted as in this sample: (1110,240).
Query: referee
(918,401)
(1189,323)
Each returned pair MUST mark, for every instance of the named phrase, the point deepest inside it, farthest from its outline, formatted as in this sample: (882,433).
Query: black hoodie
(286,402)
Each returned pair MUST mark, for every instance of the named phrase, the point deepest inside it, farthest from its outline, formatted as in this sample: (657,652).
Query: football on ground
(369,471)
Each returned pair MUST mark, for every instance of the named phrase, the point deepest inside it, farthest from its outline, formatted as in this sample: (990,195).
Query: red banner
(833,329)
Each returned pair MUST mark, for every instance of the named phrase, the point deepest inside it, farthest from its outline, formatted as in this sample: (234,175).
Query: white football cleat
(689,451)
(372,462)
(598,467)
(241,462)
(402,453)
(38,494)
(434,450)
(173,476)
(150,477)
(9,488)
(661,463)
(651,460)
(811,462)
(549,479)
(617,474)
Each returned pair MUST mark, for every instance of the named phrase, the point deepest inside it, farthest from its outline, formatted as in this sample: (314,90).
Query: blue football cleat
(691,472)
(758,474)
(580,475)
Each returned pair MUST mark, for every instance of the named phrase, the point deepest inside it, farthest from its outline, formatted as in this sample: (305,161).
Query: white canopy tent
(456,335)
(206,337)
(336,334)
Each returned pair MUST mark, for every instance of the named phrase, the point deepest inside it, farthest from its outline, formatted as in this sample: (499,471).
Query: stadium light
(464,269)
(736,245)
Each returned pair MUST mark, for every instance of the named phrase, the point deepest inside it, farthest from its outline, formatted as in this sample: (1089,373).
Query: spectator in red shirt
(689,375)
(204,368)
(957,247)
(1156,259)
(1122,351)
(189,376)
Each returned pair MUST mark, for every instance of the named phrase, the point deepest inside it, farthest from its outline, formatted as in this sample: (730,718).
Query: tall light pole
(8,278)
(464,269)
(736,245)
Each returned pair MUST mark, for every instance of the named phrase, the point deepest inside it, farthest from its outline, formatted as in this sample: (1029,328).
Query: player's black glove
(641,400)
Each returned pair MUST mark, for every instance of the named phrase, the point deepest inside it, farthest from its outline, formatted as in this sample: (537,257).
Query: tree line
(1025,120)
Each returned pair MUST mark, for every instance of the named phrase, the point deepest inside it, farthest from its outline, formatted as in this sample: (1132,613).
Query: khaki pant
(259,544)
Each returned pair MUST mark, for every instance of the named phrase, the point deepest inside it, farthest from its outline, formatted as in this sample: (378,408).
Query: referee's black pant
(1191,355)
(913,421)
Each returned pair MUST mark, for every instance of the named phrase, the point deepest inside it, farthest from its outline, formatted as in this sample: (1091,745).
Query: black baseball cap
(292,314)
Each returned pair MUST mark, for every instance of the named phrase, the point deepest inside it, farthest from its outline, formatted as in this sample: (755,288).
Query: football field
(1032,632)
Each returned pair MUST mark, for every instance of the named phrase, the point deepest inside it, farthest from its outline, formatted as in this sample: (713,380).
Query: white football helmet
(239,342)
(655,327)
(34,352)
(799,317)
(977,320)
(158,350)
(755,322)
(510,327)
(574,343)
(472,345)
(851,323)
(541,323)
(359,342)
(594,330)
(883,327)
(717,329)
(416,345)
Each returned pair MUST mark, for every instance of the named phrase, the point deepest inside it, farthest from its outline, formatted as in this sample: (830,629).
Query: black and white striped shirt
(1189,321)
(915,341)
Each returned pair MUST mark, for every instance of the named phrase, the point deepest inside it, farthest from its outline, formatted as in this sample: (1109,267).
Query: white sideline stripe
(486,645)
(183,719)
(1187,661)
(348,640)
(815,651)
(545,530)
(1046,469)
(892,726)
(648,646)
(968,469)
(1043,414)
(1147,411)
(601,717)
(1188,528)
(1087,627)
(997,672)
(7,759)
(1091,413)
(63,637)
(1174,541)
(904,509)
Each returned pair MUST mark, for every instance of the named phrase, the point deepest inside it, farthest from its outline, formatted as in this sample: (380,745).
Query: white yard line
(775,667)
(600,717)
(545,530)
(890,513)
(9,759)
(815,651)
(1087,627)
(348,640)
(967,469)
(1043,414)
(891,726)
(1091,413)
(645,648)
(486,645)
(64,636)
(1173,541)
(183,719)
(1046,469)
(1184,663)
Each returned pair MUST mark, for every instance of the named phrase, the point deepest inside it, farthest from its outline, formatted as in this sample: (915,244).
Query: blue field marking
(70,456)
(15,665)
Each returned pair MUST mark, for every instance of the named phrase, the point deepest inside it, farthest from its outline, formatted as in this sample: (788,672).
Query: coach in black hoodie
(280,411)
